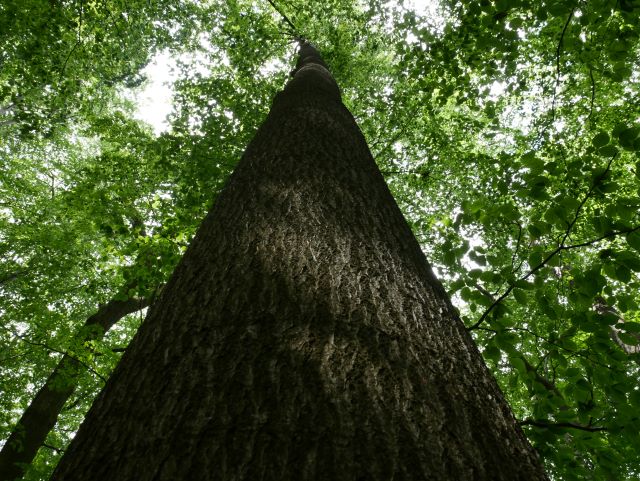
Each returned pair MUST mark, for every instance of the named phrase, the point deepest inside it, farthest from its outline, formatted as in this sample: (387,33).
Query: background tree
(498,118)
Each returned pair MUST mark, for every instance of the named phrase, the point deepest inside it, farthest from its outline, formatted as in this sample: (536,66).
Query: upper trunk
(303,335)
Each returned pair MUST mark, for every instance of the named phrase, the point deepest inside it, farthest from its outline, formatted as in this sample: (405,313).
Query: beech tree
(303,334)
(507,133)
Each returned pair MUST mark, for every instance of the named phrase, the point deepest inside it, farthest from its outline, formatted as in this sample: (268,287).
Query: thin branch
(558,54)
(405,172)
(560,346)
(515,251)
(285,18)
(546,424)
(53,349)
(77,44)
(549,385)
(593,93)
(603,237)
(53,448)
(595,184)
(560,247)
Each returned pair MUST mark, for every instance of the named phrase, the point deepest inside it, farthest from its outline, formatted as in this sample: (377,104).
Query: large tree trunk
(303,336)
(41,415)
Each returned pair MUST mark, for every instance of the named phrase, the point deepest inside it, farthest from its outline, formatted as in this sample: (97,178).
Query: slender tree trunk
(303,336)
(41,415)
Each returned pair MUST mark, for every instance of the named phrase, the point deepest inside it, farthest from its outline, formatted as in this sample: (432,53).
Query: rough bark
(303,336)
(41,415)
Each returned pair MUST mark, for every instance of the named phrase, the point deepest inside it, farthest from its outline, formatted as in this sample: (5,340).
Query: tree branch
(603,237)
(560,346)
(405,172)
(64,354)
(593,93)
(558,54)
(41,415)
(285,18)
(75,46)
(53,448)
(546,424)
(560,247)
(515,251)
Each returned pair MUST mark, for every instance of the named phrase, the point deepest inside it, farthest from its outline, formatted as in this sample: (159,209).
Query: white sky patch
(155,101)
(272,66)
(428,8)
(497,89)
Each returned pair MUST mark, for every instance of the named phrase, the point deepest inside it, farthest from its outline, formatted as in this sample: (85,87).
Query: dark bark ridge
(303,335)
(41,415)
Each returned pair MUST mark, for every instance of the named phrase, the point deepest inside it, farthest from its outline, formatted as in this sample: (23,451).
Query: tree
(303,335)
(39,418)
(507,132)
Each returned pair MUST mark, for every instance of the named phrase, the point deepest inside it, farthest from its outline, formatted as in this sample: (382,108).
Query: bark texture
(303,336)
(41,415)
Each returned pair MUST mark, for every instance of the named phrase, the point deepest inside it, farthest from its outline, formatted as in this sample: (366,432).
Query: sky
(154,101)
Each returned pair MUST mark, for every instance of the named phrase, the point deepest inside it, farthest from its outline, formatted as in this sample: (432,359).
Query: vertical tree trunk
(41,415)
(303,335)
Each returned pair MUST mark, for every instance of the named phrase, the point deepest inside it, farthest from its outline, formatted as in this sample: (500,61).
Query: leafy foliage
(509,133)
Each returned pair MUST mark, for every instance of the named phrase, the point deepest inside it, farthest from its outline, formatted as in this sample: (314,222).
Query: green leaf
(535,258)
(631,327)
(572,373)
(583,385)
(623,273)
(608,151)
(522,284)
(492,352)
(628,136)
(633,239)
(534,163)
(520,296)
(629,339)
(519,365)
(629,259)
(600,140)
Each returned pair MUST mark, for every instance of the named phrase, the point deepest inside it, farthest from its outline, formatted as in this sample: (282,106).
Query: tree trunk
(303,336)
(41,415)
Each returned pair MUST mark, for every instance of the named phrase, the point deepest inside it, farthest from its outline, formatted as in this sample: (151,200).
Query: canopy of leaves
(508,131)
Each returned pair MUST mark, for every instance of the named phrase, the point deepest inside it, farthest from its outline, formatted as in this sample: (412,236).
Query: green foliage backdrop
(508,131)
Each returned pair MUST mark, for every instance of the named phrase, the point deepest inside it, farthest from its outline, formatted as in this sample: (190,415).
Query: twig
(78,42)
(558,249)
(603,237)
(515,251)
(546,424)
(558,53)
(53,448)
(593,93)
(285,18)
(549,385)
(53,349)
(560,346)
(405,172)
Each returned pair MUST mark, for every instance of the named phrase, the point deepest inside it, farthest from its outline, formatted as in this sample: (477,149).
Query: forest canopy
(507,131)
